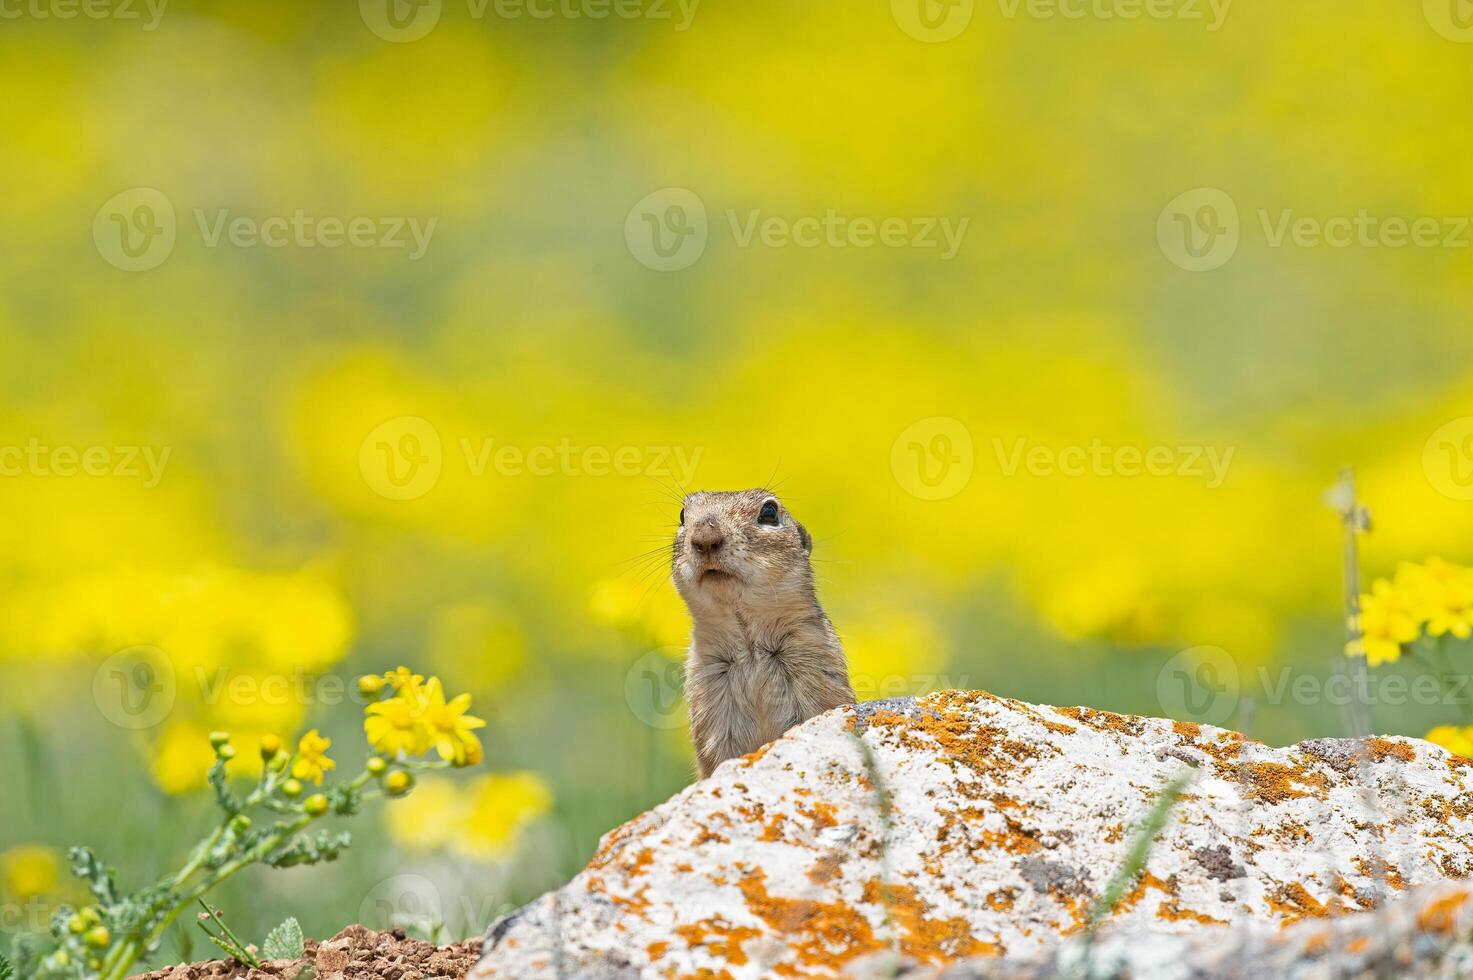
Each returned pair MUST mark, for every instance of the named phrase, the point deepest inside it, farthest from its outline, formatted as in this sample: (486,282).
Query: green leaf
(284,943)
(7,972)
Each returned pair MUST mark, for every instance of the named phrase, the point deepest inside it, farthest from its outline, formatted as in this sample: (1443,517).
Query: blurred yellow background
(337,336)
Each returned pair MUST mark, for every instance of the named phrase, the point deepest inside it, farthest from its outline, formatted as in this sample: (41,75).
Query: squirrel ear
(805,538)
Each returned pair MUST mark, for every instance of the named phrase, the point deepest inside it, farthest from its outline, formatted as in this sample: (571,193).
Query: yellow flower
(1443,596)
(502,806)
(405,681)
(1387,622)
(29,871)
(429,819)
(450,728)
(482,819)
(393,726)
(1458,741)
(182,757)
(312,761)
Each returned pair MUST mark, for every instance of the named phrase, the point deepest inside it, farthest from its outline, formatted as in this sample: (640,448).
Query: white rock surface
(1006,822)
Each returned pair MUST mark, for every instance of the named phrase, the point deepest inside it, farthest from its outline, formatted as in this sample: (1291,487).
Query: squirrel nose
(707,539)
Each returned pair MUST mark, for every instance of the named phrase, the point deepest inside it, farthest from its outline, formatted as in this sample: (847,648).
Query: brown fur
(763,656)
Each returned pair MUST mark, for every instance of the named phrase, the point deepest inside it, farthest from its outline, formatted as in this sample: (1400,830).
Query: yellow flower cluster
(416,718)
(1458,741)
(482,820)
(1435,598)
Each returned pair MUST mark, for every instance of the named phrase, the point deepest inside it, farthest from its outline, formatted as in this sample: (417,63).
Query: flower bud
(398,782)
(240,823)
(316,805)
(377,765)
(270,747)
(291,789)
(225,751)
(218,739)
(370,684)
(76,925)
(278,763)
(97,937)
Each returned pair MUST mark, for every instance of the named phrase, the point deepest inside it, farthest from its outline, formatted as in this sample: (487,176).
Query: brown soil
(356,953)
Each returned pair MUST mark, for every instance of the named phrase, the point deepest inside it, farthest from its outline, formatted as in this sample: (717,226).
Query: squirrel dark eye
(768,514)
(682,517)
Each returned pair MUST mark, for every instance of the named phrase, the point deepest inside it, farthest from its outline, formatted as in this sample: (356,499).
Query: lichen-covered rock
(966,825)
(1425,933)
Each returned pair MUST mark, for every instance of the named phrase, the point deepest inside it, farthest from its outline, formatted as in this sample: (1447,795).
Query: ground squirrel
(763,656)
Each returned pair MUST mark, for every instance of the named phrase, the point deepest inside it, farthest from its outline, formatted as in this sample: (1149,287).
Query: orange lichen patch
(1317,943)
(751,758)
(773,829)
(1012,840)
(1294,902)
(819,934)
(1105,721)
(704,973)
(1172,911)
(821,814)
(1442,915)
(1377,869)
(825,868)
(657,950)
(718,937)
(641,862)
(1028,710)
(1001,900)
(613,840)
(1381,749)
(1274,782)
(1114,833)
(986,750)
(1133,897)
(925,938)
(637,904)
(1358,946)
(1187,729)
